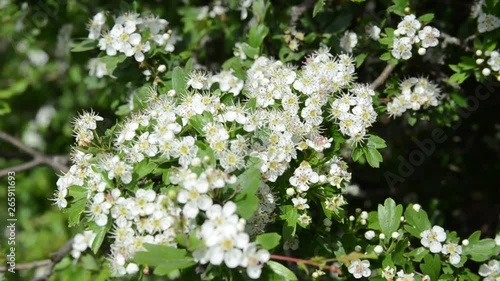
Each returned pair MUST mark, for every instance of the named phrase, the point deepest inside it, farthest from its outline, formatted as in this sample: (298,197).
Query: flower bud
(422,51)
(352,218)
(479,53)
(465,242)
(364,215)
(395,235)
(417,207)
(370,234)
(381,236)
(378,249)
(479,61)
(357,248)
(486,71)
(363,222)
(322,179)
(327,222)
(162,68)
(290,191)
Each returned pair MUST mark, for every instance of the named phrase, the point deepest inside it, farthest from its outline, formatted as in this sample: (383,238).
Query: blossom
(408,26)
(348,41)
(429,36)
(360,268)
(487,22)
(373,31)
(494,61)
(432,238)
(402,276)
(491,270)
(302,176)
(401,48)
(95,25)
(454,251)
(254,259)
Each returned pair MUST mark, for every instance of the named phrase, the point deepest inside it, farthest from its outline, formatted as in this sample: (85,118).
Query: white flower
(401,48)
(120,169)
(388,273)
(487,22)
(348,41)
(95,25)
(373,31)
(429,36)
(402,276)
(302,176)
(491,270)
(197,80)
(254,259)
(408,26)
(432,238)
(360,268)
(494,61)
(454,251)
(369,235)
(300,203)
(99,209)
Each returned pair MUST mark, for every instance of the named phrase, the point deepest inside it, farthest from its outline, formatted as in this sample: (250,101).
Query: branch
(383,76)
(38,157)
(300,9)
(29,265)
(331,268)
(54,259)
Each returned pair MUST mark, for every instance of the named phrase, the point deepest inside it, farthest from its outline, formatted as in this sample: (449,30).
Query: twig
(29,265)
(383,76)
(331,268)
(54,259)
(38,157)
(300,9)
(22,167)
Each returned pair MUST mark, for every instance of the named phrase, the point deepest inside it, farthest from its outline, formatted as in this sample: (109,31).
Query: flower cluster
(492,61)
(416,93)
(485,22)
(409,33)
(432,239)
(293,38)
(131,34)
(199,140)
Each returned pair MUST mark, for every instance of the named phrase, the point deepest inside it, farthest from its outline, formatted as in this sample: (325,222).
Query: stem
(38,157)
(383,76)
(331,268)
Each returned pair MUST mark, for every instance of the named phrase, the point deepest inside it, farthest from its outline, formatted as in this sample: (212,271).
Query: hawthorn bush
(250,139)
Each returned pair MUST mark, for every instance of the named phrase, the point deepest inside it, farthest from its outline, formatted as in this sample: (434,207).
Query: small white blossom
(360,268)
(433,238)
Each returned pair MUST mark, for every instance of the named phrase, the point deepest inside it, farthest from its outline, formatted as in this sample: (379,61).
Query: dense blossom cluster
(409,33)
(131,34)
(416,93)
(485,21)
(282,118)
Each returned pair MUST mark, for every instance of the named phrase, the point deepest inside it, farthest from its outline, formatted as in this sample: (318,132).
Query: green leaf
(100,234)
(112,62)
(248,184)
(4,108)
(454,67)
(417,222)
(389,216)
(259,9)
(282,271)
(360,59)
(83,45)
(426,18)
(257,34)
(250,51)
(198,122)
(373,157)
(459,78)
(481,250)
(418,254)
(268,241)
(178,79)
(376,142)
(386,56)
(318,7)
(290,215)
(75,211)
(357,153)
(431,266)
(144,168)
(165,259)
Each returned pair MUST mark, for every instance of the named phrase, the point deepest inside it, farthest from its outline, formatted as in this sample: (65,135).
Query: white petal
(134,39)
(216,255)
(190,210)
(233,258)
(435,247)
(204,202)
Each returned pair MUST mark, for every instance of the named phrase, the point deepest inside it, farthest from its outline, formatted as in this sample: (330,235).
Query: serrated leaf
(318,7)
(357,153)
(431,266)
(282,271)
(376,142)
(290,215)
(248,183)
(83,45)
(389,216)
(385,56)
(165,259)
(75,211)
(250,51)
(373,157)
(268,241)
(100,234)
(257,34)
(417,221)
(178,79)
(112,62)
(481,250)
(418,254)
(426,18)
